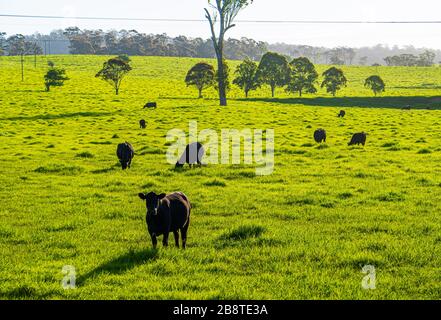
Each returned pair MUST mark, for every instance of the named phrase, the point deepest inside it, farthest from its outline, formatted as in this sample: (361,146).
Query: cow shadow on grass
(120,264)
(416,102)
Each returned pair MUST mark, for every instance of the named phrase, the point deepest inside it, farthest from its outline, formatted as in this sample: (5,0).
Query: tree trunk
(200,93)
(221,80)
(117,90)
(300,93)
(246,93)
(273,90)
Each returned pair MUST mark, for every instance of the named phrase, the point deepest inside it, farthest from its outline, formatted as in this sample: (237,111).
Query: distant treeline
(76,41)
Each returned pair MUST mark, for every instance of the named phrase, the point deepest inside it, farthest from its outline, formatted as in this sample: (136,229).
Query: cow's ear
(141,195)
(161,196)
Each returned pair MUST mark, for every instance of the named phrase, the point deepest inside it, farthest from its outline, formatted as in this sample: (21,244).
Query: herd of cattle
(171,213)
(357,138)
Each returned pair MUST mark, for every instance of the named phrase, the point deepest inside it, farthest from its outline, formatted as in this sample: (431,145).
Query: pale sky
(424,35)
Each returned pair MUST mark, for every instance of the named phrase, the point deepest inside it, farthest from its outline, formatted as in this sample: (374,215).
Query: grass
(304,232)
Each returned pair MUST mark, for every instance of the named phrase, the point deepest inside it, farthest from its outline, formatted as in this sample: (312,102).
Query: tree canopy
(246,76)
(273,70)
(113,72)
(54,77)
(201,76)
(303,76)
(334,80)
(376,84)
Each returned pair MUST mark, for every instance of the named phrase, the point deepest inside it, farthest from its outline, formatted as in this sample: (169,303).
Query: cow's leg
(184,234)
(154,241)
(176,234)
(165,239)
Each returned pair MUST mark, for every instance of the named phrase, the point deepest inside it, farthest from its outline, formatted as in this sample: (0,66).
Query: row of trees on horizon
(297,77)
(76,41)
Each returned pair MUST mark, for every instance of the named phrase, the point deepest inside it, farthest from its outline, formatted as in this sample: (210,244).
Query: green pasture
(303,232)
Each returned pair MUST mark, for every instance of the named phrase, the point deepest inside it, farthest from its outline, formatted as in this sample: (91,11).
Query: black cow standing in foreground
(125,153)
(358,138)
(193,154)
(320,135)
(165,214)
(342,114)
(150,105)
(142,124)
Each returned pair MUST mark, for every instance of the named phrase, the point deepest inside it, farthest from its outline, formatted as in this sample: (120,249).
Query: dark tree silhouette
(303,76)
(273,70)
(334,80)
(201,76)
(246,76)
(54,77)
(376,84)
(113,72)
(224,12)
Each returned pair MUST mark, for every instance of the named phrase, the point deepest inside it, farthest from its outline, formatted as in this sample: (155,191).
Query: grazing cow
(142,124)
(125,153)
(165,214)
(320,136)
(150,105)
(406,107)
(342,114)
(358,138)
(193,154)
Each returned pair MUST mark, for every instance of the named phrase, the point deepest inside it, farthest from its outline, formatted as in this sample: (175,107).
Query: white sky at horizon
(421,35)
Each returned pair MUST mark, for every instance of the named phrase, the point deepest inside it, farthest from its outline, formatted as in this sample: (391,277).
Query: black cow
(358,138)
(320,135)
(342,114)
(193,154)
(125,153)
(408,107)
(165,214)
(150,105)
(142,124)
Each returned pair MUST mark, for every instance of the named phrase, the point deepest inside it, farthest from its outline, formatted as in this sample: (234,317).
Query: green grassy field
(304,232)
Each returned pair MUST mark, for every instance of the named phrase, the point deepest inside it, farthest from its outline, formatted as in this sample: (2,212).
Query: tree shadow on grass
(121,264)
(59,116)
(195,98)
(420,102)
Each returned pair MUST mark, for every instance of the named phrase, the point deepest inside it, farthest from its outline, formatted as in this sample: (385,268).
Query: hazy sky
(425,35)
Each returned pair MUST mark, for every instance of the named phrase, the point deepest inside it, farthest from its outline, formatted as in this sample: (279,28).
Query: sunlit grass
(304,232)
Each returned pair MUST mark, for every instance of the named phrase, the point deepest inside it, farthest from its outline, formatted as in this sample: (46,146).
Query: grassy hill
(303,232)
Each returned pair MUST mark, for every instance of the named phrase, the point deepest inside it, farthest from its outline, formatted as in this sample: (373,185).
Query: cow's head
(152,201)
